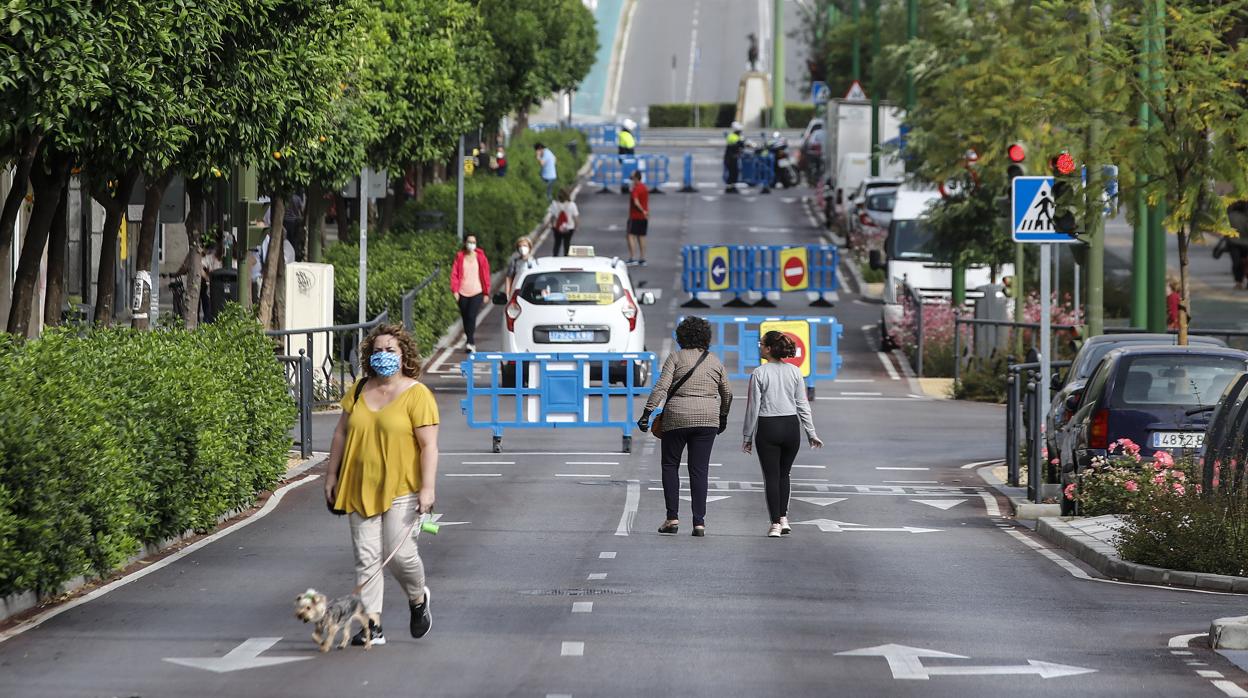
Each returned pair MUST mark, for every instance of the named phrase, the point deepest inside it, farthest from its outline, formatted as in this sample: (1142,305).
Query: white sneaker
(774,531)
(471,348)
(785,528)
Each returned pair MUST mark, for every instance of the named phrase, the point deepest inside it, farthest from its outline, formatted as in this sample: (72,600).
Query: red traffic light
(1016,152)
(1064,164)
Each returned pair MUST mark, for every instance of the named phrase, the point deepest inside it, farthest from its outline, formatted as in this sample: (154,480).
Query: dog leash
(425,522)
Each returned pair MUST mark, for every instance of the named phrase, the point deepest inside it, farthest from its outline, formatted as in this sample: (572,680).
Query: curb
(1024,509)
(1104,559)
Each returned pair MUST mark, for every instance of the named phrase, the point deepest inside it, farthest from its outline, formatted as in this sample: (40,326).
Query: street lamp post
(874,9)
(777,66)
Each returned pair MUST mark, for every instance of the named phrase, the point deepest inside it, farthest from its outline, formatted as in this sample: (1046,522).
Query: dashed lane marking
(606,556)
(488,462)
(572,649)
(817,467)
(591,462)
(596,577)
(582,606)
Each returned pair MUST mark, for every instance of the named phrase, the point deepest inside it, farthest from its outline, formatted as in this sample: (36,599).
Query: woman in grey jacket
(776,413)
(694,412)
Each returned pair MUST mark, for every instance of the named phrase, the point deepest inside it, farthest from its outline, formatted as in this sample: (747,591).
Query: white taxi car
(578,303)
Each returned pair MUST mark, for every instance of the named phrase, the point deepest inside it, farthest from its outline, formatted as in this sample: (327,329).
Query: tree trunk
(153,192)
(273,257)
(195,251)
(1185,298)
(48,188)
(344,217)
(522,121)
(315,223)
(115,207)
(58,249)
(13,203)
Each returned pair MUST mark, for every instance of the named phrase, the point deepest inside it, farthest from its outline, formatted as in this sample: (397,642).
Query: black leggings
(777,441)
(469,306)
(563,241)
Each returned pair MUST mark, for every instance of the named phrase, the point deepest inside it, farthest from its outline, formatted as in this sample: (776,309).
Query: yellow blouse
(381,460)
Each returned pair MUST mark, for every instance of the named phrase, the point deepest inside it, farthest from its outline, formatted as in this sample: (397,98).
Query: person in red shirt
(470,284)
(1173,301)
(638,220)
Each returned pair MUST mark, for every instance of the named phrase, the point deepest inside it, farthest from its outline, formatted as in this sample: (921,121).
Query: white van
(908,261)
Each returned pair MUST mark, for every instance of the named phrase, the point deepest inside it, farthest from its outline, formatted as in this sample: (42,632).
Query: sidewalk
(1092,541)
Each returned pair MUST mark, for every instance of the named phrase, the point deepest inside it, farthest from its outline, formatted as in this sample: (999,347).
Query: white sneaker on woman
(785,528)
(774,531)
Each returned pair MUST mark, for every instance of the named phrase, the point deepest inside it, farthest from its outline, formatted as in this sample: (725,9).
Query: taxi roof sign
(581,251)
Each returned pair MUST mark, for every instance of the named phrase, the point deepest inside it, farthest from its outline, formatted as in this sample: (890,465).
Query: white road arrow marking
(245,656)
(943,504)
(906,663)
(708,499)
(820,501)
(830,526)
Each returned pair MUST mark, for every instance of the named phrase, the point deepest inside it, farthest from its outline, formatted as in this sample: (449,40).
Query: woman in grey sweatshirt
(776,413)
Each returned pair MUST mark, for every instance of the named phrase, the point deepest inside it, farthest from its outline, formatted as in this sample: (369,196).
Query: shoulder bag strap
(671,392)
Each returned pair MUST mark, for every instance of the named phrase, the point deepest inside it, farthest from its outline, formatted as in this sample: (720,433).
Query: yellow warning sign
(718,271)
(799,332)
(794,271)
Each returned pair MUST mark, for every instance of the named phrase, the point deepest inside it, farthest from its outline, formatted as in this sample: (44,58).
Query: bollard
(1011,427)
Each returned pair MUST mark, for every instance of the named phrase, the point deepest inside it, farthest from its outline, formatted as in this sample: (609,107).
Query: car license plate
(565,336)
(1178,439)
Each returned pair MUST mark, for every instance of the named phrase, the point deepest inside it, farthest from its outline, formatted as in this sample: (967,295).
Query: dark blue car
(1150,395)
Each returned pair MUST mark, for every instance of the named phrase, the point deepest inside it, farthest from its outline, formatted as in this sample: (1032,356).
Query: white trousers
(374,538)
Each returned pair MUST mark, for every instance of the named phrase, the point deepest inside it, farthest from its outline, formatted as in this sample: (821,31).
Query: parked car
(1150,394)
(810,154)
(1090,354)
(578,303)
(871,209)
(1226,441)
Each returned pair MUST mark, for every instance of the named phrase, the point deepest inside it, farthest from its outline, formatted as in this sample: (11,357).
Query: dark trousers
(563,241)
(734,169)
(700,440)
(1238,254)
(777,441)
(469,306)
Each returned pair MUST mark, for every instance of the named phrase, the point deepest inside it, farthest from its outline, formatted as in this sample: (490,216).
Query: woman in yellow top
(381,471)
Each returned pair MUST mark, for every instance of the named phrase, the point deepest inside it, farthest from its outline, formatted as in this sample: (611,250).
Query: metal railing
(958,322)
(1022,418)
(409,299)
(298,370)
(913,296)
(333,351)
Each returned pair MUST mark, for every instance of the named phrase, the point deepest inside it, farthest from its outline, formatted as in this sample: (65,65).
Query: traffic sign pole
(1038,468)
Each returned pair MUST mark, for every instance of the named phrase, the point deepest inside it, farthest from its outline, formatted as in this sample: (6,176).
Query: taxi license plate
(567,336)
(1178,439)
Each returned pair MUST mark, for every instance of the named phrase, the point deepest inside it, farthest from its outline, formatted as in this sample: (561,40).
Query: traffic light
(1066,195)
(1016,154)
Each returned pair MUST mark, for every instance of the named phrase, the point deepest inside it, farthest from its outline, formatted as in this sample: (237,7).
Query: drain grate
(575,592)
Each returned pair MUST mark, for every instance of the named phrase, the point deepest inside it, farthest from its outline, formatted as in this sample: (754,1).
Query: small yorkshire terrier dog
(332,616)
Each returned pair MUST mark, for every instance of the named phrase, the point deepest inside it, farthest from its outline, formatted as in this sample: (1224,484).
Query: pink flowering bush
(1124,482)
(1185,529)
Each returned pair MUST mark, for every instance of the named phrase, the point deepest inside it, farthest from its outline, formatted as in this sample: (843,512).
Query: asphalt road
(548,586)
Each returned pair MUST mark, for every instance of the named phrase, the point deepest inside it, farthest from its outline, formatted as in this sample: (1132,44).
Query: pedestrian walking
(546,158)
(519,259)
(776,414)
(693,389)
(470,284)
(638,221)
(733,144)
(381,472)
(1174,303)
(1236,247)
(563,217)
(752,51)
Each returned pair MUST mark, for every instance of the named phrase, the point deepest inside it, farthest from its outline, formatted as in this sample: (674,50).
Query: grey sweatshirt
(776,390)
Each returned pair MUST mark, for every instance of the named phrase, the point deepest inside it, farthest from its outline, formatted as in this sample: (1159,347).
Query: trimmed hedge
(397,263)
(118,438)
(710,115)
(797,114)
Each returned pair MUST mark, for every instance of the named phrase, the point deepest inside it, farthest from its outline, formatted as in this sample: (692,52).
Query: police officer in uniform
(732,156)
(627,143)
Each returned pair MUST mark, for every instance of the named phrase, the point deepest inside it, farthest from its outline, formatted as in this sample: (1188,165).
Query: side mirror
(647,298)
(1073,400)
(1056,382)
(876,260)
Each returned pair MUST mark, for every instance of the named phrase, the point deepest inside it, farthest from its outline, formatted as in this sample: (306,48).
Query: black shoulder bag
(656,427)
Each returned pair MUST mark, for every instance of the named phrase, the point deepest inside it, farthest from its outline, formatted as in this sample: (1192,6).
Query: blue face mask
(384,363)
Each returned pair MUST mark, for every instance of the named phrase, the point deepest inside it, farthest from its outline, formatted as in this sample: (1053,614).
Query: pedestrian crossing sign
(1033,207)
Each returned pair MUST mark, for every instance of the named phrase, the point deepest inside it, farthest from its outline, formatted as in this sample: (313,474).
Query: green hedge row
(118,438)
(397,263)
(796,114)
(709,115)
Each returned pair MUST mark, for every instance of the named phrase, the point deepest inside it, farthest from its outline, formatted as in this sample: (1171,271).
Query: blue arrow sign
(1033,207)
(719,270)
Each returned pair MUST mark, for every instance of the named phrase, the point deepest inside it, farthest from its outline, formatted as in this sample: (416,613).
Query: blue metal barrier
(777,270)
(761,269)
(734,340)
(687,185)
(598,134)
(756,170)
(606,170)
(544,391)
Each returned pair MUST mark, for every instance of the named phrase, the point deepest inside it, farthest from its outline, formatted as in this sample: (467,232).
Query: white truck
(847,151)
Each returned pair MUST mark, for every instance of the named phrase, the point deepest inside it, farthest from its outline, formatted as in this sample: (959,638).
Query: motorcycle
(786,173)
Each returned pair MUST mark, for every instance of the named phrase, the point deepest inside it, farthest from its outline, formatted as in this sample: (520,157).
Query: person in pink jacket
(470,283)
